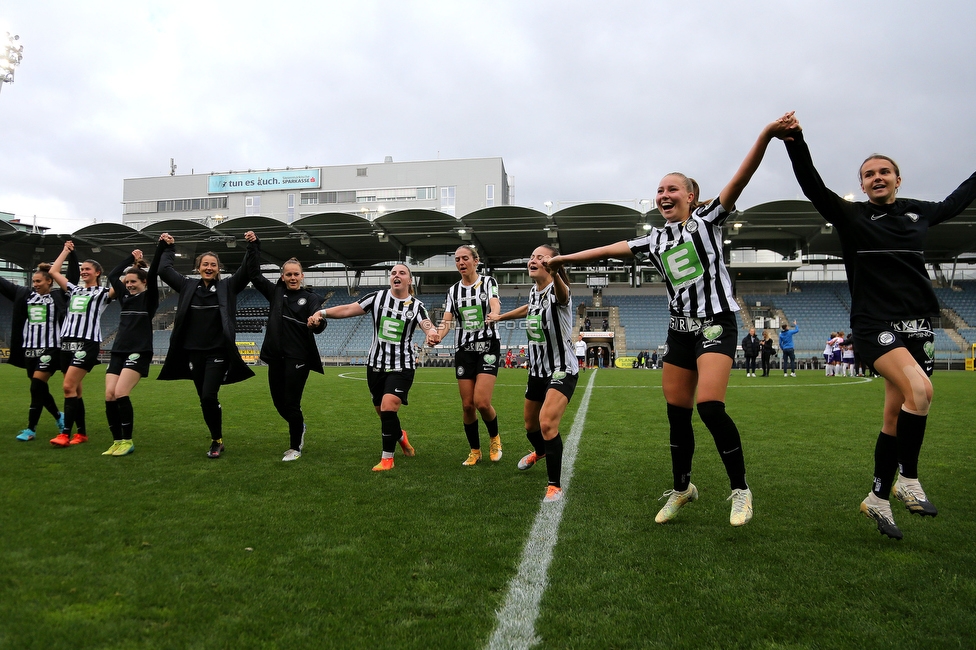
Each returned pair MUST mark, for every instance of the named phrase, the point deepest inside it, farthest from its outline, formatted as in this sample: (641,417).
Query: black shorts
(138,361)
(477,358)
(388,382)
(79,354)
(42,360)
(689,338)
(563,382)
(874,338)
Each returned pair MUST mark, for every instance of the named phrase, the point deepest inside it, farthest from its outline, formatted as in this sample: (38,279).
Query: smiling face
(41,282)
(880,180)
(133,284)
(466,262)
(89,274)
(292,276)
(400,280)
(535,265)
(209,268)
(674,198)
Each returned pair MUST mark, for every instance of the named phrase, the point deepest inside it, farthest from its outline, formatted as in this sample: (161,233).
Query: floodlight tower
(10,59)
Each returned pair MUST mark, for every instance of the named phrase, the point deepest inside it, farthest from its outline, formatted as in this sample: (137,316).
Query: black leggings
(286,379)
(208,368)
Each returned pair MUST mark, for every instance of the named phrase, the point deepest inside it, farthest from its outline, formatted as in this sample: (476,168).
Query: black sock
(727,441)
(390,427)
(80,415)
(296,434)
(554,459)
(125,417)
(471,433)
(492,426)
(911,431)
(213,417)
(538,444)
(69,413)
(38,391)
(112,415)
(682,445)
(885,464)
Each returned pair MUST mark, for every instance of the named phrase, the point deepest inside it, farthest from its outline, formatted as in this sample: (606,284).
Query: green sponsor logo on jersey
(713,332)
(46,358)
(80,354)
(37,313)
(134,356)
(682,266)
(559,375)
(490,358)
(79,304)
(533,328)
(472,318)
(390,330)
(929,348)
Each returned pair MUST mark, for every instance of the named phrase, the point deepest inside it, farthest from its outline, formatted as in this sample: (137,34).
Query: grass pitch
(168,549)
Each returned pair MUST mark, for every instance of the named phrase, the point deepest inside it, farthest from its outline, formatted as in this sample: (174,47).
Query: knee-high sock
(727,441)
(911,432)
(80,415)
(471,433)
(492,426)
(885,465)
(554,459)
(126,417)
(40,395)
(682,445)
(112,415)
(70,407)
(537,442)
(390,428)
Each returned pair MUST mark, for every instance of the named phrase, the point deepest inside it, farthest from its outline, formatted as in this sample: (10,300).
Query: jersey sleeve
(449,303)
(955,203)
(421,312)
(713,212)
(368,301)
(640,247)
(491,286)
(830,206)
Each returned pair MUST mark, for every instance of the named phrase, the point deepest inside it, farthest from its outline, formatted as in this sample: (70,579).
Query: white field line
(516,619)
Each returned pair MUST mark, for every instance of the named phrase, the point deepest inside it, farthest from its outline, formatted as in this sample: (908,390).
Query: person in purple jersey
(892,302)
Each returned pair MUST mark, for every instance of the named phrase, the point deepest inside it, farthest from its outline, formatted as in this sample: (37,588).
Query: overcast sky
(584,101)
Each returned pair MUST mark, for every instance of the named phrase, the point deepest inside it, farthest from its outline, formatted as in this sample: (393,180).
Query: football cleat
(553,494)
(529,460)
(473,458)
(216,448)
(78,438)
(384,465)
(408,450)
(60,440)
(676,501)
(125,448)
(291,455)
(741,507)
(111,450)
(26,435)
(880,511)
(909,491)
(495,449)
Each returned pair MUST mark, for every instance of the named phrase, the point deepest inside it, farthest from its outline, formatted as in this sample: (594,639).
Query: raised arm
(619,250)
(519,312)
(152,282)
(339,311)
(170,276)
(253,263)
(781,128)
(114,279)
(69,247)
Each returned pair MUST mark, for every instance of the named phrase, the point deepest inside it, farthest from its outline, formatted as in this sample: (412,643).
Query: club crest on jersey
(912,216)
(712,332)
(886,338)
(302,301)
(408,314)
(483,296)
(664,350)
(691,226)
(490,358)
(460,371)
(929,348)
(213,288)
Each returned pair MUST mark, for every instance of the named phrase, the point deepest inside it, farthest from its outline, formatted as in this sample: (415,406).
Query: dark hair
(44,269)
(877,156)
(139,270)
(95,265)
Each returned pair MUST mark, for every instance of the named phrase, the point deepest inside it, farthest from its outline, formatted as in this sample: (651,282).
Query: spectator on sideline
(786,345)
(580,349)
(654,359)
(766,350)
(750,350)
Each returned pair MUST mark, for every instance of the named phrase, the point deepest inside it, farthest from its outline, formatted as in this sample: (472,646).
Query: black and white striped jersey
(394,322)
(549,328)
(689,257)
(469,305)
(84,317)
(41,329)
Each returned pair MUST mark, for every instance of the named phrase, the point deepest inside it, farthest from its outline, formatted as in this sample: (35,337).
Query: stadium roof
(501,234)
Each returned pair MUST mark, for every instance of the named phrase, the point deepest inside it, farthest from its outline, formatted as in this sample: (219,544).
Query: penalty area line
(516,618)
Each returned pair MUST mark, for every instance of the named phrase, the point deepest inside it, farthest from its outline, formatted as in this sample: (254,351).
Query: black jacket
(750,345)
(135,331)
(19,295)
(177,364)
(271,350)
